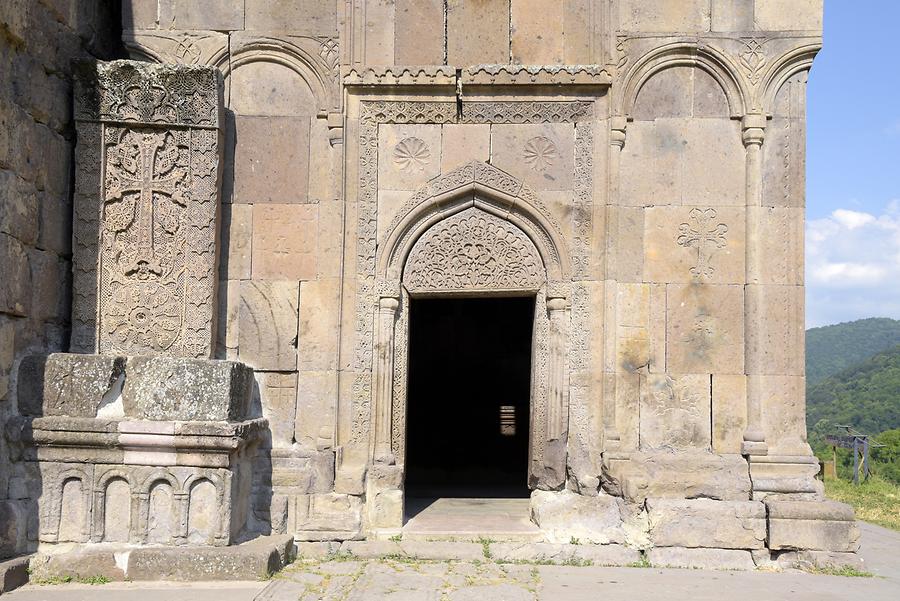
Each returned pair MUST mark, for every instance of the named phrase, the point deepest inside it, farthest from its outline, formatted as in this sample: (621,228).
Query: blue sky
(853,166)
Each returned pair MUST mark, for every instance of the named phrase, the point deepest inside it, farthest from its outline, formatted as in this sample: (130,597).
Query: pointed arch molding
(490,192)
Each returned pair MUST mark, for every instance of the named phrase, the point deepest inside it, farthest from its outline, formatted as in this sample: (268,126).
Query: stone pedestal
(101,471)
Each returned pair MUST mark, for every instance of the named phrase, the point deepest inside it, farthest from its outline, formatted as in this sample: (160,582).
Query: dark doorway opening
(468,398)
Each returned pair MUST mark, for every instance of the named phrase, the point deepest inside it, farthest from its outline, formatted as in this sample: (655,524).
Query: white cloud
(853,265)
(852,219)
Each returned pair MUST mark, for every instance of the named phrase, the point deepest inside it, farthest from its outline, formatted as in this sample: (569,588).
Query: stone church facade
(265,190)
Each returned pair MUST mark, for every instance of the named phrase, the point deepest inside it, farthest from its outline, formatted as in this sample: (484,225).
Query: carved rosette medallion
(411,154)
(473,251)
(539,153)
(145,265)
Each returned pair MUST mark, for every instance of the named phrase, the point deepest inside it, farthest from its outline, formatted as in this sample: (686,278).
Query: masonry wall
(38,40)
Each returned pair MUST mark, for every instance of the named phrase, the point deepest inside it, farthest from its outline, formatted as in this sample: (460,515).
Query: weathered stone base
(252,560)
(812,526)
(707,559)
(13,573)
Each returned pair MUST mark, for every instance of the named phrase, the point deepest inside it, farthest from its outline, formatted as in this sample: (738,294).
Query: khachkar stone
(144,236)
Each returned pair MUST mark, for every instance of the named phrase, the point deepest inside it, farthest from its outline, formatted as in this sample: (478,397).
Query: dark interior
(468,357)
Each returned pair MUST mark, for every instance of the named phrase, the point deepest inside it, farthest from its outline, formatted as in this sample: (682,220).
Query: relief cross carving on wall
(705,237)
(144,164)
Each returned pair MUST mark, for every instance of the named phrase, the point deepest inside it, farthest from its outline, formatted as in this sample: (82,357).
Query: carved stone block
(705,329)
(675,412)
(267,324)
(145,237)
(541,155)
(67,384)
(285,242)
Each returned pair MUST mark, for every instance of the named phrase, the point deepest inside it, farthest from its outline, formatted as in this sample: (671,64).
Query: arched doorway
(475,242)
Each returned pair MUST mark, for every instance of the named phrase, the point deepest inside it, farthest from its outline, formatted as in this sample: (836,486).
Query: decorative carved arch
(798,60)
(112,474)
(159,476)
(715,63)
(484,188)
(309,67)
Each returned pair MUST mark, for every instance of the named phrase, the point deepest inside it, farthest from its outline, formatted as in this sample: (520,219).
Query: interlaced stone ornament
(472,251)
(145,250)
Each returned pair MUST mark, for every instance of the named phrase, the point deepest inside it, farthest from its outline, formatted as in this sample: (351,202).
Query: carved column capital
(388,304)
(617,127)
(753,129)
(557,304)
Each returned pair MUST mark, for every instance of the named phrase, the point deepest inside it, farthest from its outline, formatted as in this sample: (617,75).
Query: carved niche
(147,182)
(473,251)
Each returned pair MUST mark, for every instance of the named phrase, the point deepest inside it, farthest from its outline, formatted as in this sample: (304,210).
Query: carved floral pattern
(143,318)
(474,250)
(411,154)
(753,59)
(705,237)
(540,153)
(144,236)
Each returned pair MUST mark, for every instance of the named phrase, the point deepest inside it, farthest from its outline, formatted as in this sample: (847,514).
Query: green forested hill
(866,396)
(832,349)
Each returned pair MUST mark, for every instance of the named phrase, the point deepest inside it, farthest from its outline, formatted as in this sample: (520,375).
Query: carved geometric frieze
(473,251)
(145,230)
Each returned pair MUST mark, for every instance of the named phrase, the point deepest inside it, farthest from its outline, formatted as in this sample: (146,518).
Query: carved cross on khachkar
(146,198)
(705,237)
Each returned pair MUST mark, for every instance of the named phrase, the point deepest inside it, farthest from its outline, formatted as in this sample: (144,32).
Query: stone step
(507,536)
(253,560)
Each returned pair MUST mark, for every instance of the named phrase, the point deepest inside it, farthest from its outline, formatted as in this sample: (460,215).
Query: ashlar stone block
(477,32)
(707,523)
(778,15)
(145,247)
(267,324)
(536,30)
(278,395)
(313,17)
(784,414)
(664,15)
(729,412)
(271,159)
(285,238)
(705,329)
(164,388)
(666,161)
(462,144)
(237,235)
(820,526)
(217,15)
(411,18)
(565,515)
(67,384)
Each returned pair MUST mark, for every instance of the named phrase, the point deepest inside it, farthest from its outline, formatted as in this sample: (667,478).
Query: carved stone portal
(470,252)
(145,209)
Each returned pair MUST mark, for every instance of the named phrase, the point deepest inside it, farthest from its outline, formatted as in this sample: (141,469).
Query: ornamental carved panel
(147,181)
(473,251)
